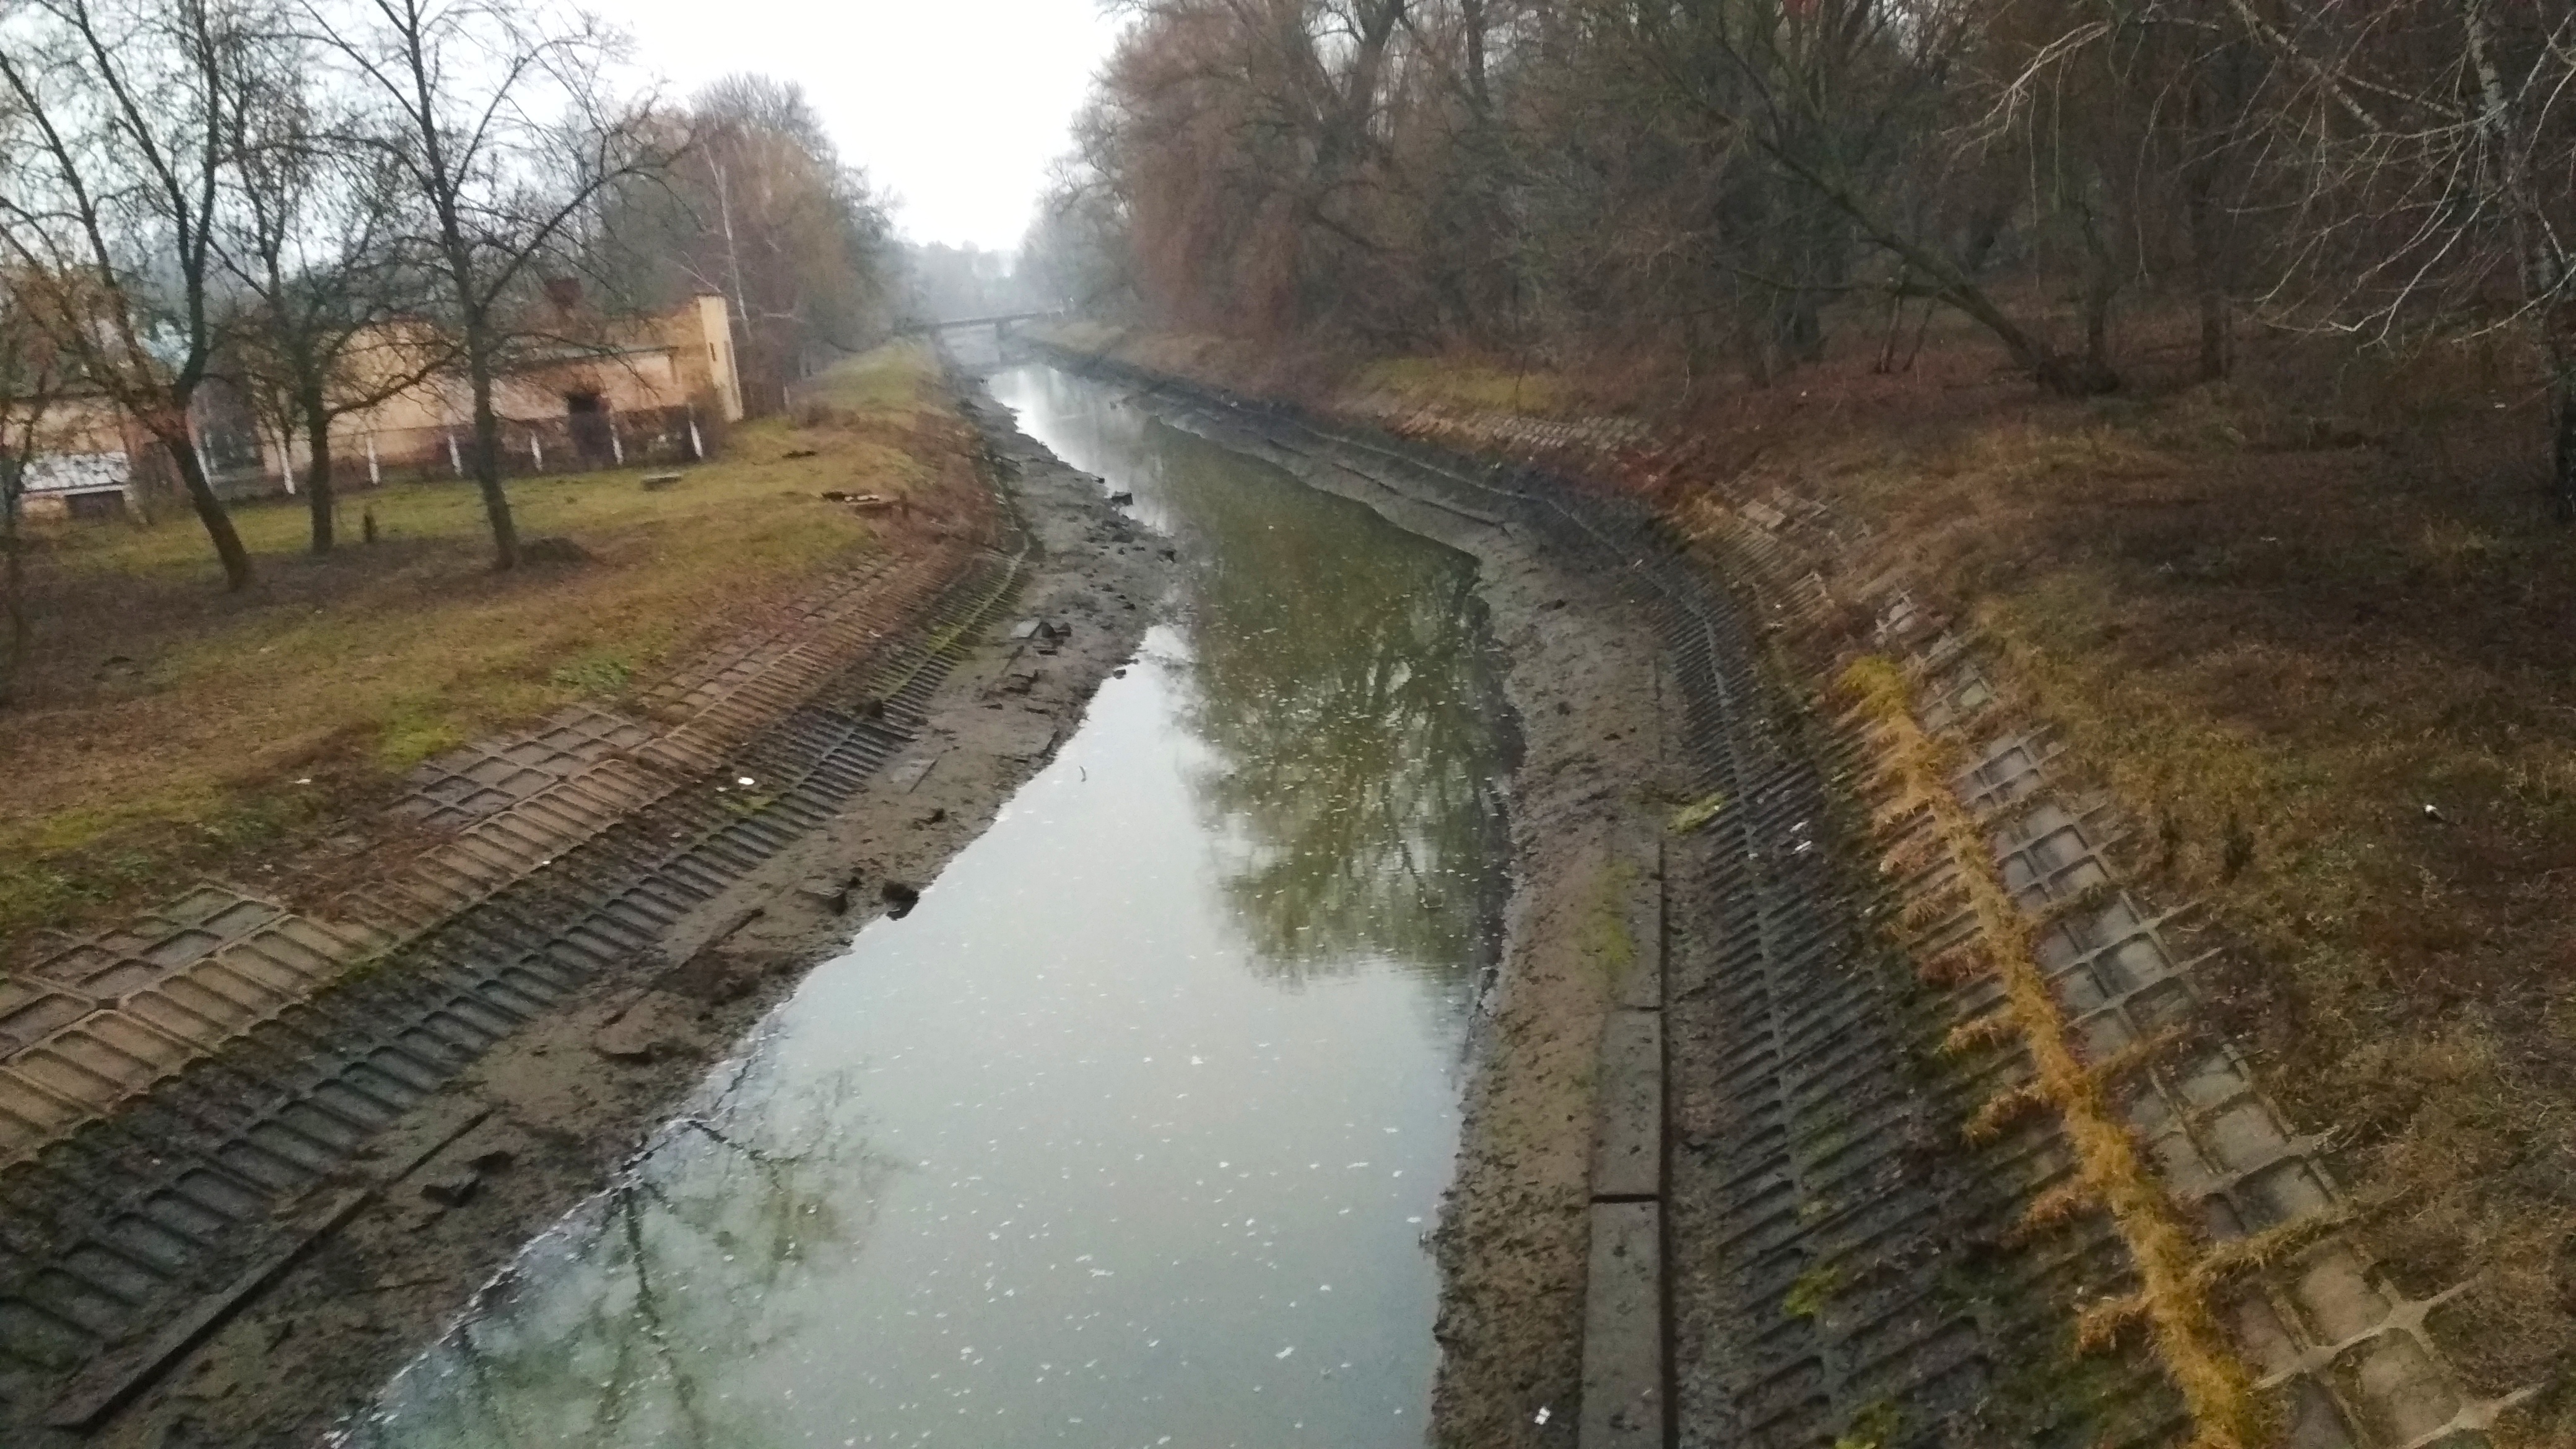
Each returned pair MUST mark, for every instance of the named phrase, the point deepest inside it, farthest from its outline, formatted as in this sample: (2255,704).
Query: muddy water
(1130,1132)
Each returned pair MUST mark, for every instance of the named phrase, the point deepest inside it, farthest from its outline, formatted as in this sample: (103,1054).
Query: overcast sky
(955,106)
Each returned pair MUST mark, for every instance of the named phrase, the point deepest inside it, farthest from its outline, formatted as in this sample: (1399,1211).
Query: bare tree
(509,130)
(1849,100)
(760,209)
(108,213)
(315,236)
(2426,148)
(28,381)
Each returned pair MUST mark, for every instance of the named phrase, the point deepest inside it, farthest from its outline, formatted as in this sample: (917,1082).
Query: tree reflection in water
(671,1294)
(1120,1142)
(1343,686)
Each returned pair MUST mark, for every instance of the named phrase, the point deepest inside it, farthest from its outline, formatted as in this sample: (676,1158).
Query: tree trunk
(2208,268)
(2544,268)
(2216,328)
(487,464)
(2101,290)
(2052,369)
(210,509)
(2066,376)
(13,596)
(2097,327)
(317,473)
(2562,464)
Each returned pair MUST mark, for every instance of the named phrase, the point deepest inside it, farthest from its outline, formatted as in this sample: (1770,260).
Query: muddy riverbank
(544,1116)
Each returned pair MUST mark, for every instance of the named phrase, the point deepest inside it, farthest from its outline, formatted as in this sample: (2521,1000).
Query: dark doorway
(590,428)
(95,507)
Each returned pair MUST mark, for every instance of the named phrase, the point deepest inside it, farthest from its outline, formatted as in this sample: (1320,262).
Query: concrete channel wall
(1796,1236)
(187,1099)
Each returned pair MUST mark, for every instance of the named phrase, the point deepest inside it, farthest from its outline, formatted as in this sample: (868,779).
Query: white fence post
(375,473)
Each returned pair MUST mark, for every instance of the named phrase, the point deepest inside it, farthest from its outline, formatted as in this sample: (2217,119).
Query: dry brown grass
(2280,616)
(167,727)
(2172,1300)
(2281,624)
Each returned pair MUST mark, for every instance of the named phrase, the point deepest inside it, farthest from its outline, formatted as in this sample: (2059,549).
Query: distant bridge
(1000,322)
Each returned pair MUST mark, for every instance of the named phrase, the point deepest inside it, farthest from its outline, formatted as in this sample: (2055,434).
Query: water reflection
(1056,1159)
(1340,682)
(623,1324)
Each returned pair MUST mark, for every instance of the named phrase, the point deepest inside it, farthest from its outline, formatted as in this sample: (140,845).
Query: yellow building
(604,392)
(611,391)
(85,460)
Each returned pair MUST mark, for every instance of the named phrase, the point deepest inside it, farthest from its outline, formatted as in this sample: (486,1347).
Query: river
(1133,1131)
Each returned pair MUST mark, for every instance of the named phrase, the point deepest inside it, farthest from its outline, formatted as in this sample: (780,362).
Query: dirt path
(451,1191)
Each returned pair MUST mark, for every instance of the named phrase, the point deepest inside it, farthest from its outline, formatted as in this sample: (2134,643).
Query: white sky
(954,106)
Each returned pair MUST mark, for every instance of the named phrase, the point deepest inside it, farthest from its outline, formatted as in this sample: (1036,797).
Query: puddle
(1131,1132)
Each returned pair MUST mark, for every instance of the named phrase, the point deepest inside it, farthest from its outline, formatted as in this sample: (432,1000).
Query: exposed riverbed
(1132,1131)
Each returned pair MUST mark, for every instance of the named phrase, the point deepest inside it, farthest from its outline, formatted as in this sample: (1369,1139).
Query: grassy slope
(346,671)
(2282,617)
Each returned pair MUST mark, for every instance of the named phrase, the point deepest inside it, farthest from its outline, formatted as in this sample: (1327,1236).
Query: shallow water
(1130,1133)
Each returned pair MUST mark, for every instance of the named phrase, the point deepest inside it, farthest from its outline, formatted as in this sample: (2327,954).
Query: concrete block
(29,1013)
(2267,1343)
(1628,1132)
(1641,986)
(1623,1330)
(2337,1298)
(30,1114)
(2311,1418)
(2245,1136)
(74,1078)
(2397,1386)
(459,865)
(194,1015)
(2281,1192)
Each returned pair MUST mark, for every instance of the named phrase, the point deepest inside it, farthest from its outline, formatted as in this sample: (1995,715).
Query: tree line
(324,202)
(1708,177)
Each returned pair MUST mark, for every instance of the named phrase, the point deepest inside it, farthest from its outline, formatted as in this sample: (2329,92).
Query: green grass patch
(1814,1289)
(1697,813)
(597,673)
